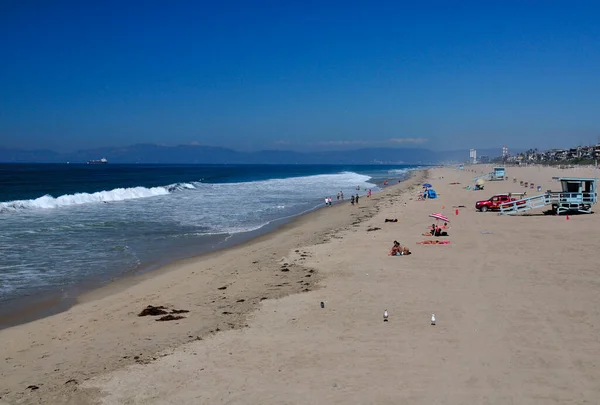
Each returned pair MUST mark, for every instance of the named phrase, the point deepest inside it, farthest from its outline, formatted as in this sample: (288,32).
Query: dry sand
(516,299)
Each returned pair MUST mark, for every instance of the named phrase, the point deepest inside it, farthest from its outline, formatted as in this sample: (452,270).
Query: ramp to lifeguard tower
(525,204)
(487,176)
(561,203)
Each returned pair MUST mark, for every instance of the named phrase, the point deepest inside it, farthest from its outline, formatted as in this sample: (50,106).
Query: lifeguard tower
(498,173)
(578,195)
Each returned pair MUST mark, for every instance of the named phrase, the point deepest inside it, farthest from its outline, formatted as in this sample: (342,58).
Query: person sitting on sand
(396,249)
(430,230)
(439,232)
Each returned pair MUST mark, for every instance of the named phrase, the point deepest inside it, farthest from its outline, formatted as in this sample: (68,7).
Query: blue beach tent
(431,193)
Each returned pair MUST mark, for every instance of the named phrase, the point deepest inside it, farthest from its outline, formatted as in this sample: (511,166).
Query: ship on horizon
(102,161)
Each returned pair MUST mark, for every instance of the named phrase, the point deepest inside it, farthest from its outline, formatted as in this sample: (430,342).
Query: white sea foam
(318,183)
(59,241)
(398,171)
(118,194)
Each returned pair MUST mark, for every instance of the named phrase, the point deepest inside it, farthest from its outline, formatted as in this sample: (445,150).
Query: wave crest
(118,194)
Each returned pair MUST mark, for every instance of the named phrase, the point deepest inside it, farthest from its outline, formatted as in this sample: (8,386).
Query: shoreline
(220,289)
(28,309)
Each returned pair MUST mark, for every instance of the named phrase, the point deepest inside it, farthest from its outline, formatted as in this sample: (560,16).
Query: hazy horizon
(348,148)
(299,76)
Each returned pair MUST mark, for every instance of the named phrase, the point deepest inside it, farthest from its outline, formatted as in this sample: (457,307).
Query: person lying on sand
(434,242)
(391,220)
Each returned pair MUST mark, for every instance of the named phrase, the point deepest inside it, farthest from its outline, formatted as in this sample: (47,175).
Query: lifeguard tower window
(572,187)
(587,188)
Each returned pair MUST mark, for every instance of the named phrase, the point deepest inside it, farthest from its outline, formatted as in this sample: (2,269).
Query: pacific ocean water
(65,225)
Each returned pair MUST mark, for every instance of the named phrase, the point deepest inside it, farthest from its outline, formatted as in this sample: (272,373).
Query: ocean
(65,227)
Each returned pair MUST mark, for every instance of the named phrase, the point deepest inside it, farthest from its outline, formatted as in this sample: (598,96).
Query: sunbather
(439,232)
(434,242)
(396,249)
(430,230)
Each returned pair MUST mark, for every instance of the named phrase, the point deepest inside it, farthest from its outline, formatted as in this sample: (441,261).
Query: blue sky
(302,75)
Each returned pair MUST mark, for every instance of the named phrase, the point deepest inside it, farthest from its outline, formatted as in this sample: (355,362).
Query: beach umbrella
(427,185)
(439,216)
(480,182)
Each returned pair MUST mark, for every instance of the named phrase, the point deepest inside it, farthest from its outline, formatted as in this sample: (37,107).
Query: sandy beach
(516,301)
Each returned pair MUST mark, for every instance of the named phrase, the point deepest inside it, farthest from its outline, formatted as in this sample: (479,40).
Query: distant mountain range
(198,154)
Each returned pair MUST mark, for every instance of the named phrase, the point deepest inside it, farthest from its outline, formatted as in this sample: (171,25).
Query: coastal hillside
(202,154)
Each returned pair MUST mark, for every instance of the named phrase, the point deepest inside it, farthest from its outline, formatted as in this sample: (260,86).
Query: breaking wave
(118,194)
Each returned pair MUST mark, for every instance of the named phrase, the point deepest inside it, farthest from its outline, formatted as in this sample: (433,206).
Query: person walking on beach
(342,195)
(338,196)
(369,193)
(330,201)
(356,198)
(352,199)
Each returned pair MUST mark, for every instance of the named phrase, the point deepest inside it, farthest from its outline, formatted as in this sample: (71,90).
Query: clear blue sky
(299,74)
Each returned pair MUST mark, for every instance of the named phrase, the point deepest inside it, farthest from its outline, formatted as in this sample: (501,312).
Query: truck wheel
(484,208)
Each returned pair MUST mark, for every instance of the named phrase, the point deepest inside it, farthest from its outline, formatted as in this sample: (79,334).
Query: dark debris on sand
(170,318)
(151,310)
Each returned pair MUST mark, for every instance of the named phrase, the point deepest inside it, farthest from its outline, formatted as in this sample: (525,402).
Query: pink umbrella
(439,216)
